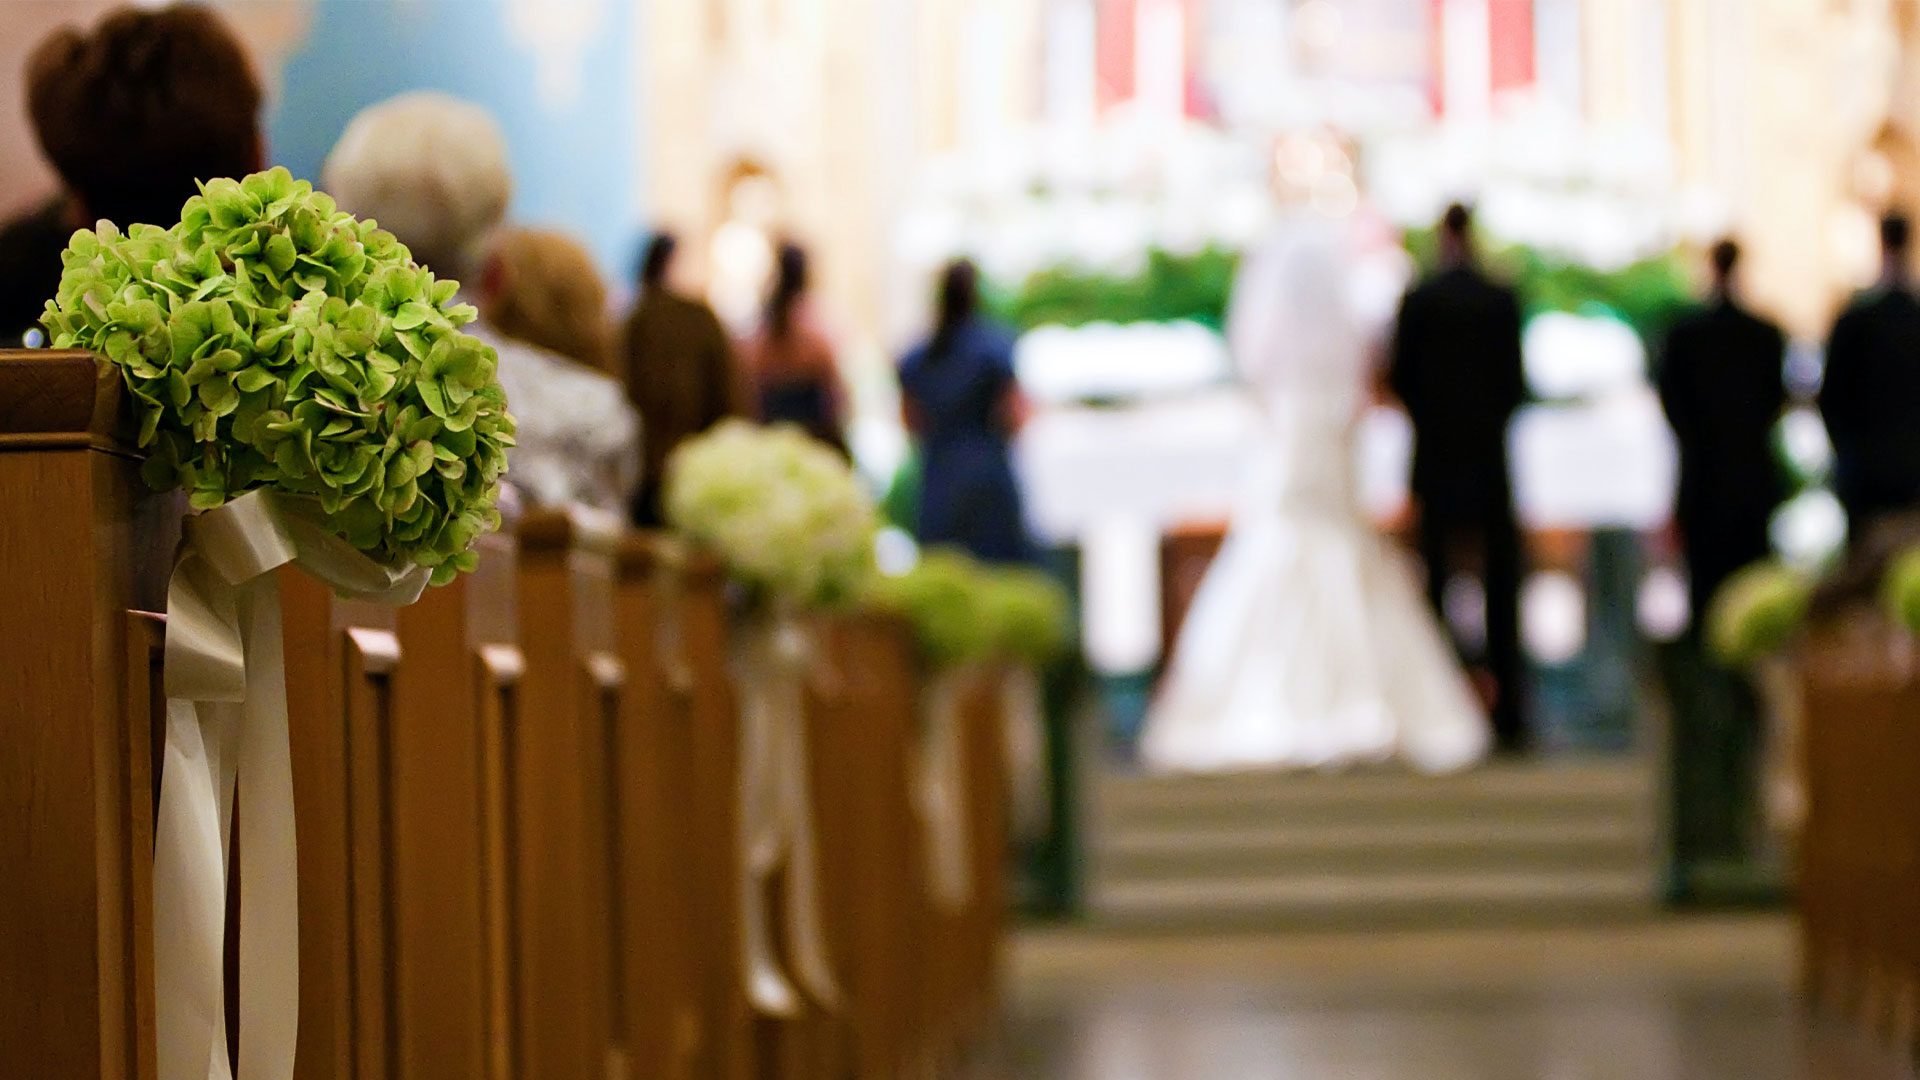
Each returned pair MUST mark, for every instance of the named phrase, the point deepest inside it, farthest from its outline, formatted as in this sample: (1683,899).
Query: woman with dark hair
(131,114)
(963,405)
(796,379)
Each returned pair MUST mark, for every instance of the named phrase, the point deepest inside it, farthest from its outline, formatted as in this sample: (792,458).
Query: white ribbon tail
(768,990)
(804,928)
(776,822)
(1023,714)
(227,738)
(269,866)
(941,792)
(190,899)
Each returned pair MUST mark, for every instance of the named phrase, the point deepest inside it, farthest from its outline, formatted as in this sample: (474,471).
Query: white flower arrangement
(784,511)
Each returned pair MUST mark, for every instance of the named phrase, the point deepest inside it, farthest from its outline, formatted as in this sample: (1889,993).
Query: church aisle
(1693,999)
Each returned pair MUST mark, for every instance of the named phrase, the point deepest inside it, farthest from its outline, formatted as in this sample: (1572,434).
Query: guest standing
(1456,366)
(130,115)
(1721,385)
(679,369)
(963,404)
(790,361)
(433,169)
(1871,393)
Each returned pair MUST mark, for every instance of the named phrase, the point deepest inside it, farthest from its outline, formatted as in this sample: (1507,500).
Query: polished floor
(1692,999)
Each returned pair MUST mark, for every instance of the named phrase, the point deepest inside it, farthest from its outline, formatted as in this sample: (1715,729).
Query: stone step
(1612,790)
(1141,853)
(1346,901)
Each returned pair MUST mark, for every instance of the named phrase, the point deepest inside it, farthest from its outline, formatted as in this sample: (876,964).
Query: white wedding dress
(1309,643)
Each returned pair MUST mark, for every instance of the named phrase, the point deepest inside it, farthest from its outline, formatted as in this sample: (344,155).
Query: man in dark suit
(680,372)
(1720,382)
(1871,395)
(1721,385)
(1456,367)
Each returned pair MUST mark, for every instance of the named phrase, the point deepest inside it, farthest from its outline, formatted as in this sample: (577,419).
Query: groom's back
(1456,367)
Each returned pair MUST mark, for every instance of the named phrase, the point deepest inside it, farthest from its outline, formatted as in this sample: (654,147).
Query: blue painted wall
(576,157)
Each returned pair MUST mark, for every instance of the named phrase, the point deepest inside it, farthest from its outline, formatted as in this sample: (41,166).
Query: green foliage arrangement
(964,611)
(1757,612)
(270,340)
(940,597)
(1170,287)
(783,510)
(1026,613)
(1646,295)
(1900,589)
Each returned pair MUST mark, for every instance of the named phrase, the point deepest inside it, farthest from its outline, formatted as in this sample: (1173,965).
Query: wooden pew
(873,868)
(1859,872)
(658,799)
(726,1046)
(83,543)
(987,828)
(341,662)
(937,969)
(454,710)
(516,862)
(839,744)
(368,932)
(569,1013)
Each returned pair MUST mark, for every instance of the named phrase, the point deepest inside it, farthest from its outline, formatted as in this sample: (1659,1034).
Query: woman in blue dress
(963,405)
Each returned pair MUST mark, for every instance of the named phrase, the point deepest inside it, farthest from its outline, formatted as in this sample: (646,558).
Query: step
(1262,850)
(1392,900)
(1557,792)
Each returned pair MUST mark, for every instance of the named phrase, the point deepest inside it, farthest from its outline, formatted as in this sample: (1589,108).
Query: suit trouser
(1452,543)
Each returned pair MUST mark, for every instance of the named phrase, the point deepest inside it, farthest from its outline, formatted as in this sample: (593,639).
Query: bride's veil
(1290,322)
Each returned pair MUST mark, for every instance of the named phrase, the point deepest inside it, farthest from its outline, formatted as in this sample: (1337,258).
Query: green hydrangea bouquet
(783,510)
(1900,589)
(1758,611)
(941,598)
(1027,613)
(963,611)
(271,340)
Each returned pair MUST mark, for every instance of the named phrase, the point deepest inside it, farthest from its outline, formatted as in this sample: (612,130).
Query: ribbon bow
(776,816)
(940,793)
(225,677)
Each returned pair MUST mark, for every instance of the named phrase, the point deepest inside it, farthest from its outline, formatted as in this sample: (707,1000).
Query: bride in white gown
(1310,643)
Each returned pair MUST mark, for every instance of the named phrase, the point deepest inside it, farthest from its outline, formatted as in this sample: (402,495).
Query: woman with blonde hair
(540,286)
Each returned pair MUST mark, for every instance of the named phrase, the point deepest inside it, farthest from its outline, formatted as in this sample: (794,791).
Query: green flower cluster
(963,611)
(271,340)
(940,598)
(1027,613)
(1757,612)
(1900,589)
(781,508)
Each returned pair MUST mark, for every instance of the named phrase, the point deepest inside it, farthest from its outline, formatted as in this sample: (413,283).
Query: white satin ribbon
(225,677)
(1024,727)
(670,634)
(940,790)
(776,817)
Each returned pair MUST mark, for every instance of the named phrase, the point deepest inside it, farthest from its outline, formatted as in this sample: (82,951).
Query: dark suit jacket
(1455,365)
(1871,402)
(1720,383)
(681,378)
